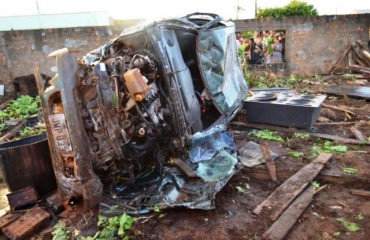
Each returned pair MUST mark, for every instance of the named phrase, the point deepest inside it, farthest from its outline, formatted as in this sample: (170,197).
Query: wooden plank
(339,139)
(22,197)
(330,175)
(340,59)
(344,123)
(183,167)
(360,192)
(337,108)
(8,218)
(269,162)
(281,227)
(26,225)
(358,134)
(280,199)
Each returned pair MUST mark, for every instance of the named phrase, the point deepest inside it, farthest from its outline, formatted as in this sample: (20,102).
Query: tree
(294,8)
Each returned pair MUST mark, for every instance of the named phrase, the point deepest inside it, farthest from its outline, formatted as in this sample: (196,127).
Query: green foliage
(350,226)
(293,79)
(59,232)
(296,154)
(294,8)
(29,131)
(328,147)
(315,184)
(267,135)
(298,135)
(336,234)
(360,217)
(242,189)
(350,170)
(117,225)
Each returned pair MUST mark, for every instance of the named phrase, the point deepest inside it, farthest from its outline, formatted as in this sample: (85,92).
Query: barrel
(27,162)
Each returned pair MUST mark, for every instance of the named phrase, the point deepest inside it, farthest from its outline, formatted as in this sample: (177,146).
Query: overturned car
(143,118)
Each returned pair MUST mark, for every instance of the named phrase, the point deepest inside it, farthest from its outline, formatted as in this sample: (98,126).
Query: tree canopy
(294,8)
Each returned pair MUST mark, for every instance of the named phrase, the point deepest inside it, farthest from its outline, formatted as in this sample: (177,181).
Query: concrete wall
(313,44)
(20,50)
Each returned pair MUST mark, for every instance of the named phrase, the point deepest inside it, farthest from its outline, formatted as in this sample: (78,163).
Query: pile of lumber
(355,59)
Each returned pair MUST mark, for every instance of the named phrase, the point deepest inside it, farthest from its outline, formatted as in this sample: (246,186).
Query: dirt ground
(233,217)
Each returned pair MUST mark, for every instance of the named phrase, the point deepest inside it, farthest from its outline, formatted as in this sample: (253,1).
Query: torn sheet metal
(173,188)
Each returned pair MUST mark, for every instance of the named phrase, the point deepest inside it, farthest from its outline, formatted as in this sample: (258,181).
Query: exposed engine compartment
(122,116)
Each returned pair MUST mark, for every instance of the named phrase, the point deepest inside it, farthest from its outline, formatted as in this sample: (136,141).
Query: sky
(156,9)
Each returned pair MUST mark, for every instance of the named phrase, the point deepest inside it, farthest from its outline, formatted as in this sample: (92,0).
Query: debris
(280,228)
(339,139)
(10,134)
(354,59)
(344,123)
(55,203)
(351,91)
(269,162)
(26,225)
(340,108)
(22,197)
(358,134)
(331,175)
(250,154)
(183,166)
(360,192)
(280,199)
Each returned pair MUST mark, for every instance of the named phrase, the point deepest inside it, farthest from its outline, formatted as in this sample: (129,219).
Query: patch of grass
(267,135)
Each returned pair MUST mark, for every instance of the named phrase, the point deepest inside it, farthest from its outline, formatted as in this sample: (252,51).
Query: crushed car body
(143,118)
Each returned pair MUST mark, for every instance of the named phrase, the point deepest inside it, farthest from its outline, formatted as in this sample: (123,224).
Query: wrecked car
(143,118)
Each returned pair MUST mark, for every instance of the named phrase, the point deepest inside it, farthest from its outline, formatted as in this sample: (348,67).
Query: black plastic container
(27,162)
(287,108)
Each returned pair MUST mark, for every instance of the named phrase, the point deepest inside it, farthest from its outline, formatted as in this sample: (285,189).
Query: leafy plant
(242,189)
(112,227)
(293,80)
(59,232)
(360,217)
(296,154)
(328,147)
(350,226)
(267,135)
(336,234)
(315,184)
(29,131)
(350,170)
(301,135)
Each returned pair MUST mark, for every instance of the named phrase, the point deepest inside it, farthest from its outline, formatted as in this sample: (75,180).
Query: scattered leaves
(267,135)
(350,226)
(336,234)
(240,189)
(301,135)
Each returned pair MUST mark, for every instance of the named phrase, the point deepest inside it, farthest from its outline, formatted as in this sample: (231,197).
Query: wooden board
(281,198)
(22,197)
(8,218)
(26,225)
(281,227)
(360,192)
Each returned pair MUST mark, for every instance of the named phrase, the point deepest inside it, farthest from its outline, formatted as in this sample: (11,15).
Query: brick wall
(313,44)
(20,50)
